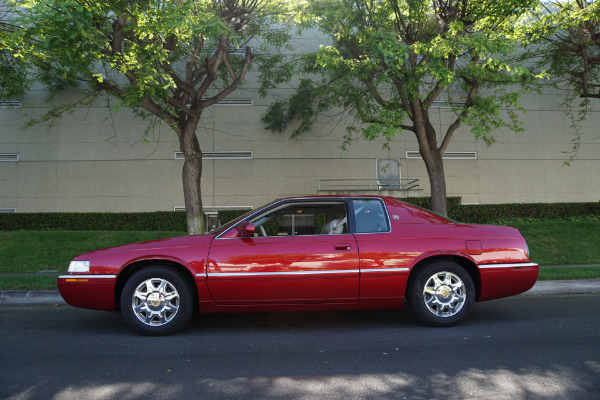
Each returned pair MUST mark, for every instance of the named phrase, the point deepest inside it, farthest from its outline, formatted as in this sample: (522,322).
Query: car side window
(370,216)
(303,219)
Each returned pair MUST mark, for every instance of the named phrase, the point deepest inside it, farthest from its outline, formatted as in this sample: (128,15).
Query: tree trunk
(437,183)
(432,156)
(192,176)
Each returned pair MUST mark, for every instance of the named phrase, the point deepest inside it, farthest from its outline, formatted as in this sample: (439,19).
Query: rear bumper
(502,280)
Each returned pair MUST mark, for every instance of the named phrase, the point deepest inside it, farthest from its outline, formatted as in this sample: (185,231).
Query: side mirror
(245,229)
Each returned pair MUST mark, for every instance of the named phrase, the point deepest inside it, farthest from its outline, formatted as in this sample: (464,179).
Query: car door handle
(343,246)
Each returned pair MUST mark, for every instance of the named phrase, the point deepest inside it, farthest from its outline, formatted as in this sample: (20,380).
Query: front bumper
(95,292)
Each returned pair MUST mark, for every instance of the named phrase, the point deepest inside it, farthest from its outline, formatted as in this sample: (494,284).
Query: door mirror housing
(245,229)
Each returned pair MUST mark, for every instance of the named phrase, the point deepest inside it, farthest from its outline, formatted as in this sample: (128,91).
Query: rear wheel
(157,301)
(441,294)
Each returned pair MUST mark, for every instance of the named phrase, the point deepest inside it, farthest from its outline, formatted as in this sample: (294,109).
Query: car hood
(158,246)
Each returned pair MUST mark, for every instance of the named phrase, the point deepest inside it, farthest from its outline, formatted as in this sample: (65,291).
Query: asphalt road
(526,347)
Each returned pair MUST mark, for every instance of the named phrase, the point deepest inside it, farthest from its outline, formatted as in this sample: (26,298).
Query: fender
(176,260)
(442,253)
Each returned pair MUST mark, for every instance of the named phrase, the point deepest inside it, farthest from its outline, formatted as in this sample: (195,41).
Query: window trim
(349,201)
(282,202)
(293,203)
(385,211)
(9,157)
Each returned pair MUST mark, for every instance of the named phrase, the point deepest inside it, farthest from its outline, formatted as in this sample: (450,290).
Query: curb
(540,288)
(565,287)
(31,297)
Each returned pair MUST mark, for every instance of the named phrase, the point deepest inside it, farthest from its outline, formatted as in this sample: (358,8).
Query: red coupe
(307,253)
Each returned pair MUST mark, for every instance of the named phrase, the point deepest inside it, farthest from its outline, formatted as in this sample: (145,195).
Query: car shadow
(322,320)
(481,314)
(101,322)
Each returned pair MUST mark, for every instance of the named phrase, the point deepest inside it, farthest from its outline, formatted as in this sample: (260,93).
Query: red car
(309,254)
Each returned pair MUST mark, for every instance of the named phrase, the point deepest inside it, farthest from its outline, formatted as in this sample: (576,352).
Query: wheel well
(465,263)
(128,272)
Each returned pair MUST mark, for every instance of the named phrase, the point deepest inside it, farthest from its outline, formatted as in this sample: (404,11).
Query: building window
(448,155)
(388,174)
(221,155)
(10,104)
(235,102)
(9,157)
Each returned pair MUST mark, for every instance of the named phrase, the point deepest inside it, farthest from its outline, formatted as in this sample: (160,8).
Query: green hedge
(486,213)
(175,221)
(425,202)
(229,215)
(148,221)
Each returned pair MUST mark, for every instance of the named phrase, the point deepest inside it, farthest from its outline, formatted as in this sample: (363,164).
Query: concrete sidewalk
(540,288)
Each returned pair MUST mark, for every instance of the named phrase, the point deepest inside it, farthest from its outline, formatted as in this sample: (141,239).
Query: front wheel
(156,301)
(441,294)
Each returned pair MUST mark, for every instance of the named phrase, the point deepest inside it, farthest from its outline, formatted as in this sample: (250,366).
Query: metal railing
(370,184)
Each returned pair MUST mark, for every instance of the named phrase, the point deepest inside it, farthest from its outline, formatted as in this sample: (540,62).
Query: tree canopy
(13,81)
(391,61)
(563,39)
(167,59)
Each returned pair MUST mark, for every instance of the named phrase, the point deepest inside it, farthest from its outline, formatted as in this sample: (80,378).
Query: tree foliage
(13,82)
(392,61)
(167,59)
(564,41)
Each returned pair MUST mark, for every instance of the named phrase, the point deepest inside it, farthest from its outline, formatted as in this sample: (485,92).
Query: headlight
(79,266)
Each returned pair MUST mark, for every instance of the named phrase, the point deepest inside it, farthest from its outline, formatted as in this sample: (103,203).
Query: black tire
(157,301)
(441,294)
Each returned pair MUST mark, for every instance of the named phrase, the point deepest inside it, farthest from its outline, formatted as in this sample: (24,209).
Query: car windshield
(230,223)
(220,229)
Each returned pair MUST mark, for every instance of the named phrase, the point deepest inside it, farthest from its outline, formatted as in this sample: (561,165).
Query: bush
(148,221)
(486,213)
(425,202)
(229,215)
(175,220)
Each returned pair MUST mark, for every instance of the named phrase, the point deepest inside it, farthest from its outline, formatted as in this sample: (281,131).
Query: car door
(301,253)
(383,262)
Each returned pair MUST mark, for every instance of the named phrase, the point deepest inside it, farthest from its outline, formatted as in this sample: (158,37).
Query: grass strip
(33,251)
(568,273)
(28,282)
(562,242)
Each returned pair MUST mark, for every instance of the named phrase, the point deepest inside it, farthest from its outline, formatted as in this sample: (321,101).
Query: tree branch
(234,84)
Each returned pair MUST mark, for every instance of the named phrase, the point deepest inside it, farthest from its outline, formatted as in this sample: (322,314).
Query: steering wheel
(262,230)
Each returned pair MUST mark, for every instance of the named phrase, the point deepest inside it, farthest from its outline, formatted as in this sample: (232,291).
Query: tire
(157,301)
(441,294)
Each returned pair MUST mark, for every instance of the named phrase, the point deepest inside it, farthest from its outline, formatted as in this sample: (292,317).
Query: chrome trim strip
(341,271)
(385,270)
(512,265)
(88,276)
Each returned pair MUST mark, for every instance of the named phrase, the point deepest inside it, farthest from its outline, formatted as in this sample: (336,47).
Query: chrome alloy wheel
(155,302)
(444,294)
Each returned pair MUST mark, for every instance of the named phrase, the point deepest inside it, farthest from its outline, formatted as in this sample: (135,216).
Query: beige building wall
(95,160)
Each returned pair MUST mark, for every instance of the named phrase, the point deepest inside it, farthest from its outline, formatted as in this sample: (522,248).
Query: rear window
(370,216)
